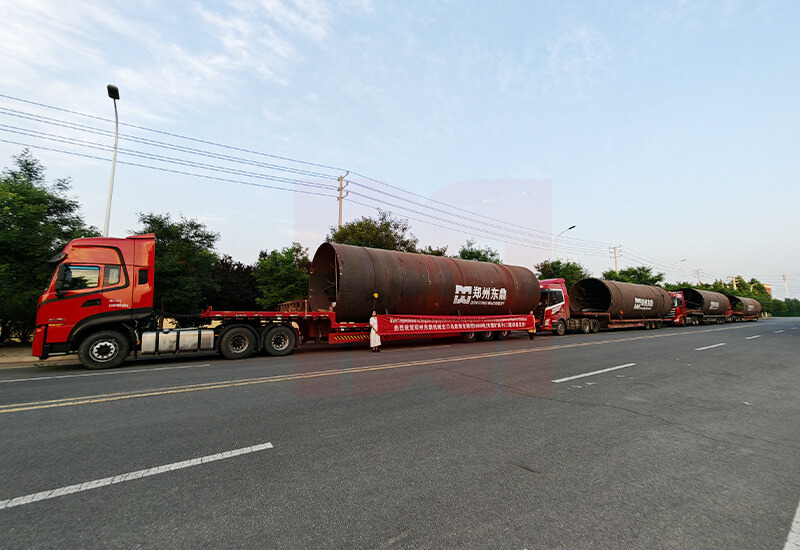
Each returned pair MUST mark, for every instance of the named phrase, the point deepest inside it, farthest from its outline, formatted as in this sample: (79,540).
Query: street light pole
(557,236)
(113,93)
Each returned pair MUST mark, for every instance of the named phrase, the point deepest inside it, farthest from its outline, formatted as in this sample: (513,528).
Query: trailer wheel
(104,350)
(502,334)
(561,328)
(279,341)
(485,335)
(595,326)
(585,326)
(469,336)
(237,343)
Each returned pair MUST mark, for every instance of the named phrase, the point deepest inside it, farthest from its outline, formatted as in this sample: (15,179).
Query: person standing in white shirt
(374,339)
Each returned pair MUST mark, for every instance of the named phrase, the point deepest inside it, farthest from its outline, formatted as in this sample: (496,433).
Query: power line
(432,212)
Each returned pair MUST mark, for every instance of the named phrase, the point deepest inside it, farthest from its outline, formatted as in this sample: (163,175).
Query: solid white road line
(709,347)
(751,337)
(777,332)
(109,373)
(793,539)
(53,493)
(567,379)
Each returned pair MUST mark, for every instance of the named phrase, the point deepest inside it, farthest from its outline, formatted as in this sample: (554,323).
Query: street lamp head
(113,92)
(573,227)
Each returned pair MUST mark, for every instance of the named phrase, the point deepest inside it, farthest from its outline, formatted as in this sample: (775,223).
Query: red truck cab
(553,311)
(677,315)
(99,283)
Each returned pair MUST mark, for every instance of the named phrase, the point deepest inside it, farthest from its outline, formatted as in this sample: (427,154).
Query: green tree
(236,287)
(36,221)
(282,275)
(571,272)
(471,252)
(385,232)
(185,260)
(779,306)
(431,251)
(641,275)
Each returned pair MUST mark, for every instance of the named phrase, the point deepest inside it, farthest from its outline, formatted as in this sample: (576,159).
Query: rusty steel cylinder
(747,306)
(344,279)
(620,300)
(710,303)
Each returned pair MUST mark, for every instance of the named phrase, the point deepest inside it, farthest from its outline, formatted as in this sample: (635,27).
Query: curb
(31,361)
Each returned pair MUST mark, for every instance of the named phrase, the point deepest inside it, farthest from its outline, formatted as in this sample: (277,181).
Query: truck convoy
(593,304)
(99,304)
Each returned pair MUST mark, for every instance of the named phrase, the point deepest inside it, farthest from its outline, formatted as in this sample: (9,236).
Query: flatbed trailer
(280,332)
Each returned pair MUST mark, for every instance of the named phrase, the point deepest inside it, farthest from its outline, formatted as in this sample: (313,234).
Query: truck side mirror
(61,274)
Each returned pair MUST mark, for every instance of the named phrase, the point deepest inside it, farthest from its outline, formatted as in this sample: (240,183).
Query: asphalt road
(691,441)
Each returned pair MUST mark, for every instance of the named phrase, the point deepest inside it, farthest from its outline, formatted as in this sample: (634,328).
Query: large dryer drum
(619,300)
(345,278)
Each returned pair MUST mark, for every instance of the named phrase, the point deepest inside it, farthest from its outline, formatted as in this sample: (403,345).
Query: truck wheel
(561,328)
(237,343)
(595,326)
(585,326)
(469,336)
(279,341)
(486,335)
(104,350)
(502,334)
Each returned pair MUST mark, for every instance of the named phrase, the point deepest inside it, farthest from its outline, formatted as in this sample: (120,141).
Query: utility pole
(785,285)
(697,272)
(342,185)
(616,260)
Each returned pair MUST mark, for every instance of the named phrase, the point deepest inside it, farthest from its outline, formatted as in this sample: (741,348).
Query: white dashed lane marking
(131,476)
(568,378)
(709,347)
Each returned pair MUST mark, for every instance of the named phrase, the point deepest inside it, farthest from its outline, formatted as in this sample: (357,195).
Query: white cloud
(183,53)
(577,59)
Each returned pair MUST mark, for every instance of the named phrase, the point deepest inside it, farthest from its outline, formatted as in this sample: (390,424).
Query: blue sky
(667,128)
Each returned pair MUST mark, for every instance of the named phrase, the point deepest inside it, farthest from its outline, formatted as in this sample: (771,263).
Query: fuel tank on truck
(344,279)
(710,303)
(748,306)
(620,300)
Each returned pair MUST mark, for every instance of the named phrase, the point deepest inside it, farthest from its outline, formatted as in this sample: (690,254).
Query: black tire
(502,334)
(104,350)
(469,336)
(595,326)
(647,325)
(237,343)
(561,328)
(279,341)
(585,326)
(485,335)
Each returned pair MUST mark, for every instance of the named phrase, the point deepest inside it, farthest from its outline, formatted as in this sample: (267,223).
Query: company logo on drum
(480,295)
(642,303)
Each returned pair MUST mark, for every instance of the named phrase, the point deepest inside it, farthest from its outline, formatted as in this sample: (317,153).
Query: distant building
(769,289)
